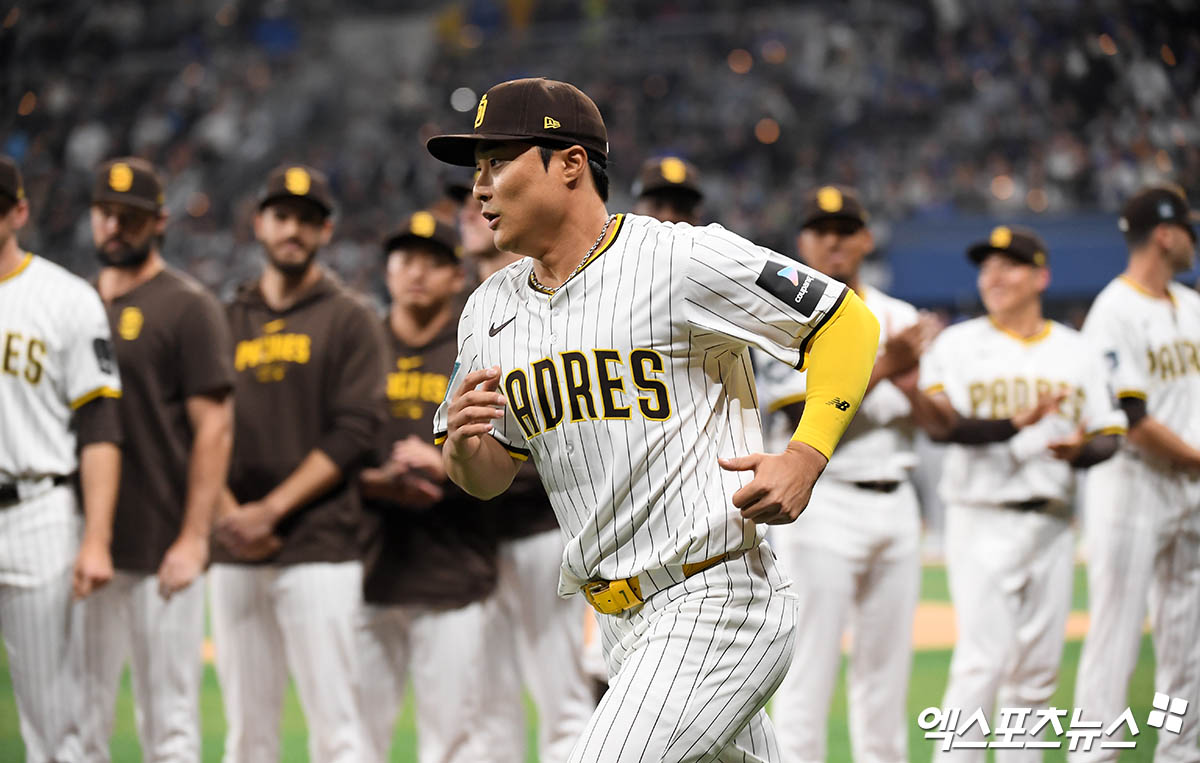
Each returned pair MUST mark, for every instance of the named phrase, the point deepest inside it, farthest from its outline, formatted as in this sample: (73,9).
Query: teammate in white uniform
(854,555)
(1143,507)
(621,346)
(58,381)
(1009,549)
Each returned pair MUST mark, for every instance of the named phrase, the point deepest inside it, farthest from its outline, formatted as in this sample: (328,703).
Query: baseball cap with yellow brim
(426,230)
(535,110)
(11,186)
(298,181)
(129,180)
(1019,244)
(831,202)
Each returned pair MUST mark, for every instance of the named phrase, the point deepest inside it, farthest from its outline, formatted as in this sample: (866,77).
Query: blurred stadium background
(948,115)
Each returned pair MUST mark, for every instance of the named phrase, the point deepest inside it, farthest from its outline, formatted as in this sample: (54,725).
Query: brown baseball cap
(10,179)
(423,228)
(668,173)
(831,202)
(1152,206)
(537,110)
(1020,244)
(298,181)
(129,180)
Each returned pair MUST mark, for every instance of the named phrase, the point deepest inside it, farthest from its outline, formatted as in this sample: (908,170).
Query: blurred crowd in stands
(936,108)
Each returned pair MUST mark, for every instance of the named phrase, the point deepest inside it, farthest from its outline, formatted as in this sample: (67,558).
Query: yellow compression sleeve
(839,365)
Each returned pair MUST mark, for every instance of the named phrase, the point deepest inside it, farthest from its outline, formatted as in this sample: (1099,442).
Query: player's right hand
(475,405)
(181,565)
(93,568)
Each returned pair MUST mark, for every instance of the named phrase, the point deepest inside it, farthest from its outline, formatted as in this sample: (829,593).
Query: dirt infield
(933,627)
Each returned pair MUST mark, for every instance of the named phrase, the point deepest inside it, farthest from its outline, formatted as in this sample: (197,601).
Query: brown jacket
(307,377)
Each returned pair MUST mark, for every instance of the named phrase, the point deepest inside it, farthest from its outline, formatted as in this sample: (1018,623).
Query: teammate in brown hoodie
(286,586)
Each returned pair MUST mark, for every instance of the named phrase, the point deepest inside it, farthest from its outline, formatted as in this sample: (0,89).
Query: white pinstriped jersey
(55,355)
(628,383)
(989,373)
(878,444)
(1152,345)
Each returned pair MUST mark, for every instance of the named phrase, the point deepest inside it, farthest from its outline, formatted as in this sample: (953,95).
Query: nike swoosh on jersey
(494,329)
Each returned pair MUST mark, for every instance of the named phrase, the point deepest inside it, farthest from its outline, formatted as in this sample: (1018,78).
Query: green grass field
(928,681)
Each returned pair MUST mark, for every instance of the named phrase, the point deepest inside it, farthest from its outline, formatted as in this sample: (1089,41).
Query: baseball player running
(286,583)
(668,189)
(175,358)
(854,554)
(429,551)
(537,637)
(616,356)
(1023,400)
(58,390)
(1143,506)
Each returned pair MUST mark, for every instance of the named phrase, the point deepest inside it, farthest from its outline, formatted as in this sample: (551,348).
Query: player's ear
(20,212)
(326,231)
(1043,279)
(160,223)
(868,238)
(575,164)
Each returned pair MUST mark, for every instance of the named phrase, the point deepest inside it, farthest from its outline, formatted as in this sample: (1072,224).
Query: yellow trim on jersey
(1142,289)
(1117,429)
(784,402)
(934,389)
(843,354)
(1039,336)
(98,392)
(1131,393)
(441,438)
(609,238)
(24,264)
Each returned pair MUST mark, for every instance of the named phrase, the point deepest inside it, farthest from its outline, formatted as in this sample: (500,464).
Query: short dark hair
(684,202)
(599,176)
(6,204)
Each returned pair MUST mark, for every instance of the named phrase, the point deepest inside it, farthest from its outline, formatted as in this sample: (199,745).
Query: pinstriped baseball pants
(693,667)
(39,621)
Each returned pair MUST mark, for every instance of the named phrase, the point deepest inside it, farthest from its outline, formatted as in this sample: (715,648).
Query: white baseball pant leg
(164,639)
(1010,575)
(854,560)
(542,633)
(1143,545)
(302,617)
(694,667)
(447,655)
(38,542)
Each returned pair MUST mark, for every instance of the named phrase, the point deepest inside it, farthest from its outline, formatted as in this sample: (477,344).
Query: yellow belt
(610,597)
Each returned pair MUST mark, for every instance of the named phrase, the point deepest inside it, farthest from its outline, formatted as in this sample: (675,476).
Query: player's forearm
(208,468)
(316,475)
(99,478)
(1098,449)
(1156,439)
(486,473)
(840,363)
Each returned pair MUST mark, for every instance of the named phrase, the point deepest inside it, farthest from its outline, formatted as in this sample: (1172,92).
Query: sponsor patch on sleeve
(104,355)
(450,383)
(801,290)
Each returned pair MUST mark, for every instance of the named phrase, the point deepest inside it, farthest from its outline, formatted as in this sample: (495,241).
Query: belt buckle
(610,597)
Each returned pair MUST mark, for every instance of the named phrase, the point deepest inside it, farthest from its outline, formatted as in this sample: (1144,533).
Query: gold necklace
(534,279)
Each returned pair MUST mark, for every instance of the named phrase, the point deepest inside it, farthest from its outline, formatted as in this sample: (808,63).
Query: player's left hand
(249,531)
(782,483)
(182,564)
(93,568)
(1069,448)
